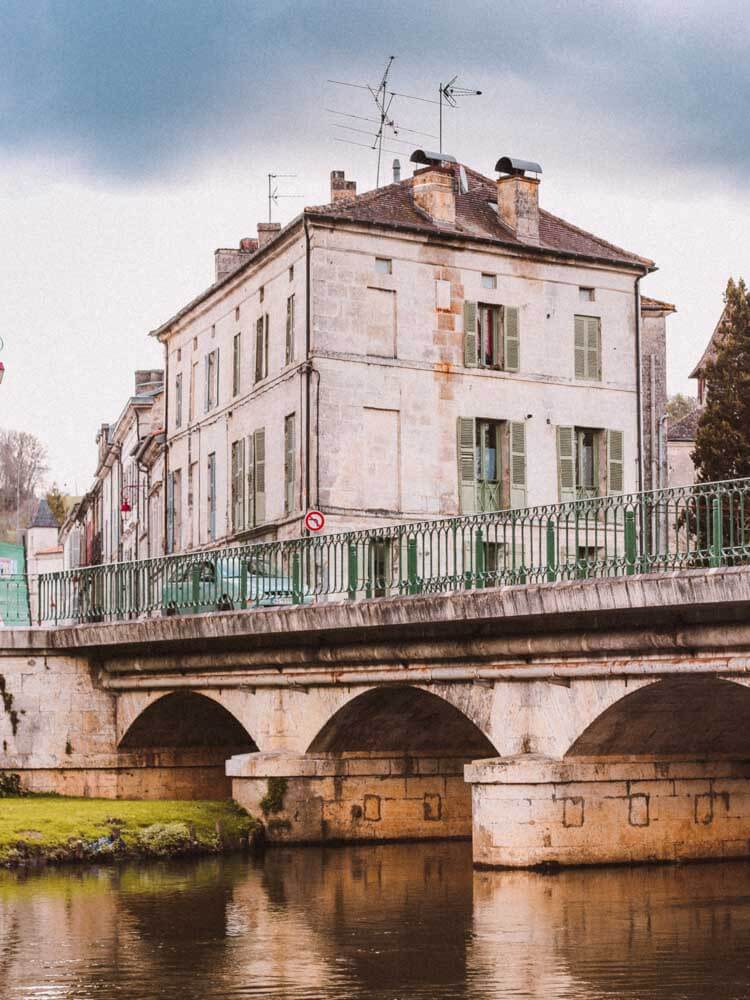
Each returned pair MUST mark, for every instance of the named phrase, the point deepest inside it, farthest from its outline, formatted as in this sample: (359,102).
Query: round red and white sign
(314,520)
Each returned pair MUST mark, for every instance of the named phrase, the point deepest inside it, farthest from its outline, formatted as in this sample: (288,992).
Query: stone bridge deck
(368,713)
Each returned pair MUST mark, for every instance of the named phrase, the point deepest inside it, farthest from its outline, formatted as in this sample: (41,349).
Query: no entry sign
(314,520)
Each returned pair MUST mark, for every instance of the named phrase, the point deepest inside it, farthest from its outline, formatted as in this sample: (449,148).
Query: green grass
(59,829)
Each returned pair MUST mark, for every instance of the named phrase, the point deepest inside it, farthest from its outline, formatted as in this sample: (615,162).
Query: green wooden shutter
(497,353)
(580,347)
(265,347)
(250,462)
(260,475)
(216,375)
(238,485)
(206,373)
(170,513)
(289,456)
(517,451)
(512,333)
(615,462)
(466,458)
(290,329)
(259,350)
(566,470)
(470,334)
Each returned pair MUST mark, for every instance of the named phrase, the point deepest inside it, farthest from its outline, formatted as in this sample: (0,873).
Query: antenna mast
(448,92)
(273,191)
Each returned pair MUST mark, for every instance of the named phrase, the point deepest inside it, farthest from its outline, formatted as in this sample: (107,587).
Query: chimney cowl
(341,188)
(518,198)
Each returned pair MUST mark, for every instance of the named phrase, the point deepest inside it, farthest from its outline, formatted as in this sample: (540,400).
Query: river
(373,923)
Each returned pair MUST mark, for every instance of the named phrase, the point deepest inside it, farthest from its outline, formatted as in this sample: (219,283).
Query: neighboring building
(121,516)
(435,346)
(708,355)
(654,387)
(44,554)
(14,590)
(681,445)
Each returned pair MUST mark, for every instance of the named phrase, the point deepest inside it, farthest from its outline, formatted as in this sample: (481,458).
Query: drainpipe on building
(639,376)
(165,519)
(308,365)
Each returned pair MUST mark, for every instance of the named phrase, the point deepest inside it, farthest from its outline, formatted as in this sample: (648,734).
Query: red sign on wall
(315,520)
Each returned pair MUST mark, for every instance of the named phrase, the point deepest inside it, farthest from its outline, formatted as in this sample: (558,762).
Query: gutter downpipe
(308,363)
(643,513)
(165,517)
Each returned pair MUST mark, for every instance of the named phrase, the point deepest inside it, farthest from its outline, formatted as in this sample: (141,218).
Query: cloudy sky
(136,136)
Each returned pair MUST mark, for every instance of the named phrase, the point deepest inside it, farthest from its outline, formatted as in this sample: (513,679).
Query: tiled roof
(656,305)
(686,428)
(476,216)
(710,352)
(44,517)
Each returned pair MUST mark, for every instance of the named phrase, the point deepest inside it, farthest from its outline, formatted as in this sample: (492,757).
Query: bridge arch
(403,719)
(680,716)
(178,745)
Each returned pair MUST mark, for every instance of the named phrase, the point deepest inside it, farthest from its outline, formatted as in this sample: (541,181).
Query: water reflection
(381,923)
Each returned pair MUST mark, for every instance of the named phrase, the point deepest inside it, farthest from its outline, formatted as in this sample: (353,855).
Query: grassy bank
(54,829)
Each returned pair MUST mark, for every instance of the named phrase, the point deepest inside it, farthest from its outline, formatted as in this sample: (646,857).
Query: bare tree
(23,464)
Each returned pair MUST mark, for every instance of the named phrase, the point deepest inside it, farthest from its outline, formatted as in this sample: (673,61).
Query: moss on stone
(273,800)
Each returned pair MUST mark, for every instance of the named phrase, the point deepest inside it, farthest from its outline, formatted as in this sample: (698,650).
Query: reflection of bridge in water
(575,722)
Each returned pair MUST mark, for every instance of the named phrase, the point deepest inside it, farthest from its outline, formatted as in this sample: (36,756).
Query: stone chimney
(434,192)
(341,188)
(518,198)
(266,232)
(146,380)
(227,261)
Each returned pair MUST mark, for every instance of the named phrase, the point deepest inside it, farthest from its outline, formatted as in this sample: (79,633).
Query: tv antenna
(383,98)
(273,191)
(447,94)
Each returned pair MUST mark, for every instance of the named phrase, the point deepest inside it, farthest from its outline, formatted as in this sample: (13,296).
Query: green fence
(700,526)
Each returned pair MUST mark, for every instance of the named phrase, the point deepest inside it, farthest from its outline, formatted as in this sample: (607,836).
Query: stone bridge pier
(572,723)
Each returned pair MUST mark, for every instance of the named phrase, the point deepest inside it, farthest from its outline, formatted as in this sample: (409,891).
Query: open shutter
(512,347)
(170,513)
(259,349)
(593,348)
(216,376)
(615,477)
(466,460)
(260,475)
(517,433)
(470,334)
(566,463)
(580,347)
(206,383)
(265,348)
(290,329)
(250,481)
(497,338)
(289,456)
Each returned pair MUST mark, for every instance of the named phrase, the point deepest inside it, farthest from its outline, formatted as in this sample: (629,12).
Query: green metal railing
(14,600)
(701,526)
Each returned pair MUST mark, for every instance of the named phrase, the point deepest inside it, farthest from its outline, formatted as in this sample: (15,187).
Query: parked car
(223,583)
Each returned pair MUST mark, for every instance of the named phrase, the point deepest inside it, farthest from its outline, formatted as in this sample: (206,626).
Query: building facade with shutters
(440,345)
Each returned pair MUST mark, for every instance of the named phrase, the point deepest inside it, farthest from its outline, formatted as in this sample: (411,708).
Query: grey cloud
(141,89)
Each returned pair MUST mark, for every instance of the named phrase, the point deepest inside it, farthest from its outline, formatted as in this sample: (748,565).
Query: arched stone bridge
(580,722)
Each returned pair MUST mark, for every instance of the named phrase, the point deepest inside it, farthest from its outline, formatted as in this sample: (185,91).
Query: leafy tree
(722,445)
(678,406)
(58,503)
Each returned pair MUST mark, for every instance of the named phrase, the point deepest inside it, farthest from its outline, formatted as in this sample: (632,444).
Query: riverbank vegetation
(42,828)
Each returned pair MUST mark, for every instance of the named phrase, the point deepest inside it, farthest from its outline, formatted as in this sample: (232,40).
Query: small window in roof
(262,293)
(489,281)
(291,272)
(236,312)
(384,265)
(195,343)
(586,294)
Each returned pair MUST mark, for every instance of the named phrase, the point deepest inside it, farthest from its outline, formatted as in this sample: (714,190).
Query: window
(178,400)
(193,387)
(384,265)
(195,343)
(589,462)
(491,336)
(261,293)
(236,364)
(586,294)
(256,478)
(179,354)
(211,497)
(289,463)
(489,281)
(238,485)
(588,346)
(212,380)
(236,314)
(261,348)
(213,330)
(491,464)
(291,272)
(289,353)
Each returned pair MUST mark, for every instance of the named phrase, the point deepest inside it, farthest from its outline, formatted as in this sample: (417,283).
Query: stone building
(440,345)
(654,388)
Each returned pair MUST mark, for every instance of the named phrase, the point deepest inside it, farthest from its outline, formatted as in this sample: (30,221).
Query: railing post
(717,533)
(296,579)
(630,542)
(479,557)
(411,566)
(551,552)
(352,572)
